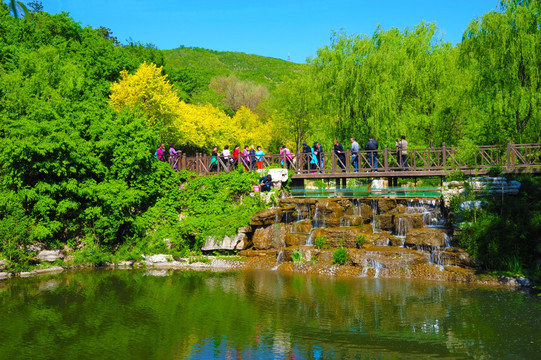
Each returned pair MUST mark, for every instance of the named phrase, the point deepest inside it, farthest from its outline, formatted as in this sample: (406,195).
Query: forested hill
(212,63)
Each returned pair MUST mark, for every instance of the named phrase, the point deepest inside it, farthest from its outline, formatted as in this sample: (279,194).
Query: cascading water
(402,228)
(375,223)
(310,240)
(318,220)
(279,260)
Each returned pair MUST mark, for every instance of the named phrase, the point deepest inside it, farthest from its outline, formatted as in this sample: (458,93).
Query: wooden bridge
(427,162)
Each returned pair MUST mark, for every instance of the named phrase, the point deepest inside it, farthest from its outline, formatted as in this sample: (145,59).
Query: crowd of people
(249,158)
(313,156)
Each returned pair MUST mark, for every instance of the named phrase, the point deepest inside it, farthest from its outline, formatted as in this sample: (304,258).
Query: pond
(155,314)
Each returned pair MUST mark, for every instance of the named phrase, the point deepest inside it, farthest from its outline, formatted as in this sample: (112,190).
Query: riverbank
(267,261)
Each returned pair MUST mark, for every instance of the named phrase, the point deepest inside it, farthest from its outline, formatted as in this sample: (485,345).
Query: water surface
(260,315)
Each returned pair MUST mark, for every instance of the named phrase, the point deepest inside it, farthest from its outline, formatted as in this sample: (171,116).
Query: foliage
(361,240)
(238,93)
(217,206)
(296,256)
(340,256)
(503,51)
(185,125)
(506,235)
(199,259)
(320,242)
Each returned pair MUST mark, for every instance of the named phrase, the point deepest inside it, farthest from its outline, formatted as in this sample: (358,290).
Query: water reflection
(127,314)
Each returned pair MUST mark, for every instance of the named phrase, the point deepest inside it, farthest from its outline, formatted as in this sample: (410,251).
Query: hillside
(211,63)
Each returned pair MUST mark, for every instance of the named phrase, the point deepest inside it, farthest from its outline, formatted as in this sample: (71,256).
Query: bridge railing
(511,157)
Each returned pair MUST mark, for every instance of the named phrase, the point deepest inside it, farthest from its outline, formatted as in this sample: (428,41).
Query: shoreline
(265,264)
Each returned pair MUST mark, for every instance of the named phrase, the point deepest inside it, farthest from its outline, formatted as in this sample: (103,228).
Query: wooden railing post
(508,158)
(444,155)
(386,159)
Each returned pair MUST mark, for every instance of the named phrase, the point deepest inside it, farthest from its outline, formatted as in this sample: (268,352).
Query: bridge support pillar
(341,183)
(297,183)
(392,181)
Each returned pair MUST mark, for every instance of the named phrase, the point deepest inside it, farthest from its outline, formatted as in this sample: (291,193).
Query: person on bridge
(372,146)
(160,152)
(318,150)
(173,155)
(226,155)
(355,154)
(246,157)
(259,154)
(252,158)
(306,156)
(286,156)
(214,160)
(236,153)
(402,147)
(339,152)
(265,182)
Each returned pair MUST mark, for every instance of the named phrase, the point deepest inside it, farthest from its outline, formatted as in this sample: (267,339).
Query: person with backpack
(372,146)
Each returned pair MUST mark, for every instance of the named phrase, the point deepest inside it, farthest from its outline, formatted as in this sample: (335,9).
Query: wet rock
(380,239)
(158,258)
(237,242)
(49,255)
(329,213)
(405,222)
(35,247)
(343,236)
(386,205)
(249,253)
(385,222)
(365,211)
(303,226)
(3,264)
(295,239)
(270,237)
(455,257)
(388,258)
(296,201)
(267,217)
(426,237)
(352,220)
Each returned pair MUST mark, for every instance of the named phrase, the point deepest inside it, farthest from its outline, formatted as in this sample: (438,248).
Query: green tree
(503,48)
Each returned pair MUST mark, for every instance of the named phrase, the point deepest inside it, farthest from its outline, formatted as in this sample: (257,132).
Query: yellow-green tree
(194,126)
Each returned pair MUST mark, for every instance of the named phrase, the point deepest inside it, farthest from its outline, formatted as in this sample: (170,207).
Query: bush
(296,256)
(340,256)
(361,240)
(320,242)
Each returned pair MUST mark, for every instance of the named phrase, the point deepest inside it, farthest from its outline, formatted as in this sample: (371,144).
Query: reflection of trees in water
(257,313)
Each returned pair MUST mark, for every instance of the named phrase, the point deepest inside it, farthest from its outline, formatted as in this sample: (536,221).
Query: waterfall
(316,222)
(447,241)
(310,241)
(279,260)
(300,215)
(402,228)
(375,224)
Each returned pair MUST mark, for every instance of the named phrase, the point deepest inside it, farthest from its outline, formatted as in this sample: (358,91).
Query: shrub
(340,256)
(320,242)
(361,240)
(296,256)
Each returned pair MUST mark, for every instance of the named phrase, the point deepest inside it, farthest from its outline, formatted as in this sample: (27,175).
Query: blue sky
(281,29)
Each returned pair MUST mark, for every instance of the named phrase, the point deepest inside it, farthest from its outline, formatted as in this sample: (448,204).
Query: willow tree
(503,48)
(385,85)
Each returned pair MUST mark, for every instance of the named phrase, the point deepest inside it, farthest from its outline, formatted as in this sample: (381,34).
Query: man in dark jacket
(372,146)
(341,156)
(266,183)
(306,155)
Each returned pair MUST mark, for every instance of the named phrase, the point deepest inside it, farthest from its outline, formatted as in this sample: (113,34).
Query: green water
(260,315)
